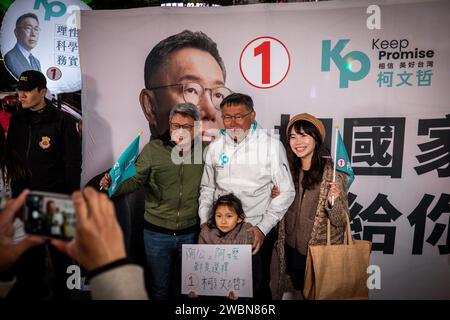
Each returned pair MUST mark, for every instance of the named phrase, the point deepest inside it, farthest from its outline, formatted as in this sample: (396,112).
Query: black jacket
(50,146)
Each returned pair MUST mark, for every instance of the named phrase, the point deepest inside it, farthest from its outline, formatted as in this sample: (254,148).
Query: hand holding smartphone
(99,238)
(49,215)
(11,250)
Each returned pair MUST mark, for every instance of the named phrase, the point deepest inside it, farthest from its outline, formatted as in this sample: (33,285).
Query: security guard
(45,138)
(49,144)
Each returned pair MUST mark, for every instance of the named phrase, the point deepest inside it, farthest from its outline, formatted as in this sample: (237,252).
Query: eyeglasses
(176,126)
(237,118)
(193,92)
(29,28)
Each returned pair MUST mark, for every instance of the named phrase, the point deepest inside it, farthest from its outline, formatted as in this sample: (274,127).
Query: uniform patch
(45,142)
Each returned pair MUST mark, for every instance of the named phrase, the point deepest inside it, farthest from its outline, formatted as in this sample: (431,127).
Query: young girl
(227,226)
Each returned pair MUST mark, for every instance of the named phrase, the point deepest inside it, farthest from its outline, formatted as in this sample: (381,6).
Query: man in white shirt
(247,161)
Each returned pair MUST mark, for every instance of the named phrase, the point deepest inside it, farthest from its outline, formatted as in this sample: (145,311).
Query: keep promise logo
(52,8)
(344,64)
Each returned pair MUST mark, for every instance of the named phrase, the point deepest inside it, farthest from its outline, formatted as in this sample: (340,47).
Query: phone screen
(49,215)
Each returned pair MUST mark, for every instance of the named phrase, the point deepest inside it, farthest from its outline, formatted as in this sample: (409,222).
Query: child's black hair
(229,200)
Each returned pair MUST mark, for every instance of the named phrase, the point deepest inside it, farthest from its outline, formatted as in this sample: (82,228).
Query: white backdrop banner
(380,70)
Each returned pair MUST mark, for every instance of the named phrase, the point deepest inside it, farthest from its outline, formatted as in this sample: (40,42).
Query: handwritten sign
(215,270)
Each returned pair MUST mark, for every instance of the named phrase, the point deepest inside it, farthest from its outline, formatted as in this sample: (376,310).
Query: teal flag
(125,167)
(342,161)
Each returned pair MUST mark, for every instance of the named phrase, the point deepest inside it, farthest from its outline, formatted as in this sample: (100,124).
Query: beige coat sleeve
(122,283)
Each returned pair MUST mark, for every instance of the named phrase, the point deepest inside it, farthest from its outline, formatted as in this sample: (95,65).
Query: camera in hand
(50,215)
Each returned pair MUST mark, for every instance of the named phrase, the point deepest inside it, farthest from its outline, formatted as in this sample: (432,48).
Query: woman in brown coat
(305,223)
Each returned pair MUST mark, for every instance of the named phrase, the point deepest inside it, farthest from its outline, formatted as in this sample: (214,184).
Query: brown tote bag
(337,272)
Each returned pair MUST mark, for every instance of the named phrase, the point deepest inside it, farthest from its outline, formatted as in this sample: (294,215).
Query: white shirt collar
(24,51)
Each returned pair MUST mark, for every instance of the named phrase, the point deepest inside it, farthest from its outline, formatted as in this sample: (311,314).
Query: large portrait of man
(184,67)
(20,58)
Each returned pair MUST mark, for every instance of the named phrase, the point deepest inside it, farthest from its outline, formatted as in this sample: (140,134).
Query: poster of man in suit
(43,36)
(20,58)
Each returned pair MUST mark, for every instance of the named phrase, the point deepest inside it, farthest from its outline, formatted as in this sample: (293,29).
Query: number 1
(264,50)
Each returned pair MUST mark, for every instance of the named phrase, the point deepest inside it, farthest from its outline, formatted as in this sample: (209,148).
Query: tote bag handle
(348,232)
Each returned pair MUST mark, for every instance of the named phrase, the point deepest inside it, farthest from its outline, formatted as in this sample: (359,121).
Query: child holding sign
(226,226)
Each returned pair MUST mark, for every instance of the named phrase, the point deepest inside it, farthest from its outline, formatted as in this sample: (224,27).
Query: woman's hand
(105,182)
(275,191)
(333,193)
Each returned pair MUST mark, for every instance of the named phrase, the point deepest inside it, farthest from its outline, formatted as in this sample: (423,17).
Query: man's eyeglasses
(193,92)
(29,28)
(176,126)
(237,118)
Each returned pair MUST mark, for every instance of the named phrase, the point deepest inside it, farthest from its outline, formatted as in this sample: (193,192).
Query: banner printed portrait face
(27,32)
(184,67)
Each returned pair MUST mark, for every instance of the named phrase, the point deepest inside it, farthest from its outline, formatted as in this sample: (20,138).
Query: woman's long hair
(321,156)
(11,167)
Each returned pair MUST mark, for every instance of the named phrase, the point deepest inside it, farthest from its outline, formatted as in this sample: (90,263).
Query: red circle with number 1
(53,73)
(265,62)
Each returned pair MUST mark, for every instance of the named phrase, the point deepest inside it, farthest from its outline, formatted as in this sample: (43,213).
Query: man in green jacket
(170,168)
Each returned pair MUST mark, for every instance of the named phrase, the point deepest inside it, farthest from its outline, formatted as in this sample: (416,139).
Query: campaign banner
(377,69)
(42,35)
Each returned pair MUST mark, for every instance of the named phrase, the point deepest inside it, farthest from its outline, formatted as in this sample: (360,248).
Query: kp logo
(49,8)
(344,64)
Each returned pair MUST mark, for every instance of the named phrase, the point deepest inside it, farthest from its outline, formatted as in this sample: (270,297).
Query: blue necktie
(33,63)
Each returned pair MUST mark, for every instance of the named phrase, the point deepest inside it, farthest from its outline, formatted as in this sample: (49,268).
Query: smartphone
(50,215)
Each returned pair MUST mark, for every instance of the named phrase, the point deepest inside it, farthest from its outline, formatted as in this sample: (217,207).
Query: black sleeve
(18,184)
(12,133)
(71,148)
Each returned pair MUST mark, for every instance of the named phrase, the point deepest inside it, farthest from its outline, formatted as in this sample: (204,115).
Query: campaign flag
(342,162)
(125,166)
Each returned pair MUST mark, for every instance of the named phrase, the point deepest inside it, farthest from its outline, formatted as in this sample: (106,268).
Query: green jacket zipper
(180,192)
